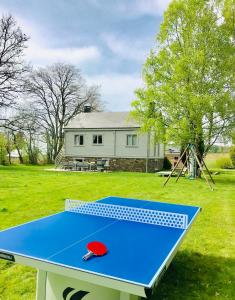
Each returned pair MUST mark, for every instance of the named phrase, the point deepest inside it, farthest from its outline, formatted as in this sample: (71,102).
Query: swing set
(190,163)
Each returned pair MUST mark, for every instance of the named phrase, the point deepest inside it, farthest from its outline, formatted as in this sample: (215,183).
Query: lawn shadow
(192,275)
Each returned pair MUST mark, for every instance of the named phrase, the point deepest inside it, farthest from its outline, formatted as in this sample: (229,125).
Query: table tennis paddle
(95,248)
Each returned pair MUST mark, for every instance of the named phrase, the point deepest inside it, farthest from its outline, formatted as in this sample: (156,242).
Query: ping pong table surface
(137,252)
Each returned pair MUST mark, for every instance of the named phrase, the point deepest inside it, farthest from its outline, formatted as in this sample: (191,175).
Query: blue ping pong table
(142,238)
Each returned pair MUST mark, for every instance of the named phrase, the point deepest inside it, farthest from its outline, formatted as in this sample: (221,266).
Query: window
(79,140)
(131,140)
(97,139)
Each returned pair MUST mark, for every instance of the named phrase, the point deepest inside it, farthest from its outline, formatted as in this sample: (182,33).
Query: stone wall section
(126,164)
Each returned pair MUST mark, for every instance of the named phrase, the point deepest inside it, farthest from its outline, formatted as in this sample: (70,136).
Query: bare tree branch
(59,93)
(12,67)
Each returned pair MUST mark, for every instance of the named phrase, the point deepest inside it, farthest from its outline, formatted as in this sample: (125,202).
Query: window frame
(132,135)
(97,137)
(79,140)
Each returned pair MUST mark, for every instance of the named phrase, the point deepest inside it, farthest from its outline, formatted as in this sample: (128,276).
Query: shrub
(224,163)
(232,155)
(166,164)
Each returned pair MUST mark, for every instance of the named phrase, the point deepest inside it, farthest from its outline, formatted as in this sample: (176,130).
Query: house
(172,152)
(113,137)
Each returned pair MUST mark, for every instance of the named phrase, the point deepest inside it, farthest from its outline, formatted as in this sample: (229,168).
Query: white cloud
(126,49)
(134,7)
(38,52)
(117,90)
(41,55)
(144,7)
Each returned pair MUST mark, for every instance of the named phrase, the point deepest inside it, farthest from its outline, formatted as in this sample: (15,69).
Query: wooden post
(175,166)
(182,168)
(201,168)
(208,171)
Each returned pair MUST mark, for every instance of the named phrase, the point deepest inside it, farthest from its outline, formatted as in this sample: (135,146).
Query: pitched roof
(102,120)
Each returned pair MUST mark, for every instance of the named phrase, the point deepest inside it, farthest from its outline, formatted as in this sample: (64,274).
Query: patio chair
(68,165)
(100,165)
(85,166)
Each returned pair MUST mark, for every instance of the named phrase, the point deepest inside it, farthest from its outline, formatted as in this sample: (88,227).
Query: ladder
(59,159)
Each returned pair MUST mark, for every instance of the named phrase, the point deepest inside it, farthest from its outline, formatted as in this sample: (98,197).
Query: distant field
(212,157)
(204,268)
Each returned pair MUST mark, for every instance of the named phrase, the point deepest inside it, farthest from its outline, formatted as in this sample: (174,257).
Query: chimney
(87,108)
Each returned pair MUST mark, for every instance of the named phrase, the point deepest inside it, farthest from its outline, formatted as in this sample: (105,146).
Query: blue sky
(107,39)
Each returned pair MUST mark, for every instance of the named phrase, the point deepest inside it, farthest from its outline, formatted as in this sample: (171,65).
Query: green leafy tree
(20,144)
(10,146)
(3,152)
(233,137)
(232,155)
(24,133)
(188,96)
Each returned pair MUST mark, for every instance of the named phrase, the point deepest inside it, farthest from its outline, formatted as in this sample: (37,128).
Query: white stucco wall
(114,145)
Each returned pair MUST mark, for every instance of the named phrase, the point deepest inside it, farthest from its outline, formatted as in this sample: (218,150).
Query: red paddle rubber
(95,248)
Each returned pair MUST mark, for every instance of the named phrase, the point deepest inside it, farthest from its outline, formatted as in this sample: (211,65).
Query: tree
(12,67)
(20,144)
(233,136)
(24,132)
(189,77)
(28,122)
(3,152)
(59,93)
(9,145)
(15,133)
(232,155)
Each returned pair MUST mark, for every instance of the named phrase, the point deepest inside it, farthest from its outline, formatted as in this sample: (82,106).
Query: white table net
(141,215)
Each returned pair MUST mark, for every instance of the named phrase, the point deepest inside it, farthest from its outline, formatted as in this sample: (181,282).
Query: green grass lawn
(204,268)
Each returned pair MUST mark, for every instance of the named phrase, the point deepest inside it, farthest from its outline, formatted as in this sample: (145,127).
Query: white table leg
(60,287)
(41,285)
(51,286)
(126,296)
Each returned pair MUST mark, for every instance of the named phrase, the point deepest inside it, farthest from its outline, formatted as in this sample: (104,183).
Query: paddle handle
(88,255)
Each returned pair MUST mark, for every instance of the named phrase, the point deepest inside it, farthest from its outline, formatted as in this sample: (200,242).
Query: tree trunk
(200,150)
(32,151)
(17,149)
(49,149)
(9,157)
(20,155)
